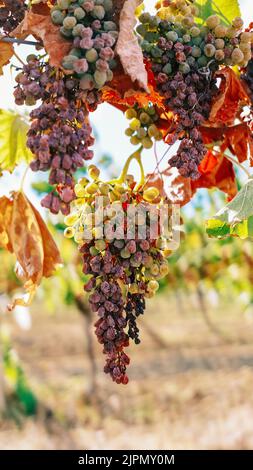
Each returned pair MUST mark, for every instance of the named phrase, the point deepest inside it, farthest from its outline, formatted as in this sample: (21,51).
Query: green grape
(91,55)
(31,57)
(147,143)
(172,36)
(98,2)
(66,32)
(202,61)
(63,4)
(144,118)
(152,130)
(135,140)
(184,67)
(186,38)
(146,46)
(100,245)
(110,26)
(151,110)
(129,132)
(109,75)
(141,29)
(57,16)
(77,30)
(194,31)
(68,62)
(191,61)
(141,133)
(151,36)
(100,78)
(130,113)
(145,18)
(167,69)
(197,41)
(79,13)
(108,5)
(135,124)
(87,82)
(69,22)
(154,21)
(196,51)
(156,52)
(125,253)
(98,12)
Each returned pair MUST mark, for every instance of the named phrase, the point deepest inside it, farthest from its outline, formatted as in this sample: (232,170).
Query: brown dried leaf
(6,53)
(23,232)
(127,48)
(42,28)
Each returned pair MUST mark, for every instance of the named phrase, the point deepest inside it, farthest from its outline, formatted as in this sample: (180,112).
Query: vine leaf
(236,218)
(128,49)
(6,53)
(41,27)
(226,10)
(232,94)
(13,149)
(24,233)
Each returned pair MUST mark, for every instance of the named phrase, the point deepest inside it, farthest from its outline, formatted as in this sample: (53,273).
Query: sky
(109,123)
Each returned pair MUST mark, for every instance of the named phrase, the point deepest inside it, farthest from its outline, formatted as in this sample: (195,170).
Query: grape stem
(134,156)
(20,41)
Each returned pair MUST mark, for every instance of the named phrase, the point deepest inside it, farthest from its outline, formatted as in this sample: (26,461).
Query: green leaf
(13,149)
(236,218)
(227,10)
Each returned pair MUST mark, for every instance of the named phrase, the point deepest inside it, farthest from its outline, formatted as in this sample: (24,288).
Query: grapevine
(181,77)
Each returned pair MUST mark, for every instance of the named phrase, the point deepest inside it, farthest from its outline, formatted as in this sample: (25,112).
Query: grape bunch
(123,271)
(89,25)
(184,58)
(142,128)
(60,134)
(247,72)
(12,12)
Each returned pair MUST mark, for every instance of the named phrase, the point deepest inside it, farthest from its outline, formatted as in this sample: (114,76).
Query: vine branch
(20,41)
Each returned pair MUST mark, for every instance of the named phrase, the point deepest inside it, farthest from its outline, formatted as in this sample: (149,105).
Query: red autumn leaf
(237,139)
(220,175)
(216,172)
(41,27)
(226,105)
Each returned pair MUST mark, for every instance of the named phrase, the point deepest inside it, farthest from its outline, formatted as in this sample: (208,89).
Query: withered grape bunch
(184,58)
(12,13)
(123,271)
(89,25)
(60,133)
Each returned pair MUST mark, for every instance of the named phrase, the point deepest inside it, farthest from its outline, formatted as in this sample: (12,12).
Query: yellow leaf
(13,149)
(24,233)
(6,52)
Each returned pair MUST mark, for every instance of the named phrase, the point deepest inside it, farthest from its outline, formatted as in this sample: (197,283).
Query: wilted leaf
(237,139)
(216,172)
(231,95)
(227,10)
(41,27)
(128,48)
(23,232)
(236,218)
(6,53)
(13,149)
